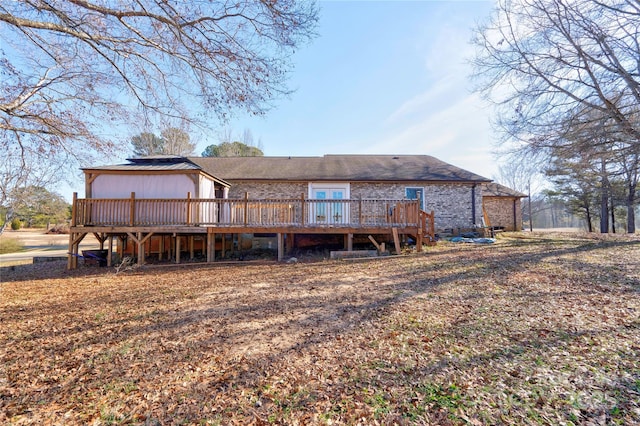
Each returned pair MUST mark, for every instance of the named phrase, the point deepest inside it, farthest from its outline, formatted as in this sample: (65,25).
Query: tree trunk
(530,216)
(589,224)
(8,217)
(604,201)
(613,216)
(631,212)
(604,215)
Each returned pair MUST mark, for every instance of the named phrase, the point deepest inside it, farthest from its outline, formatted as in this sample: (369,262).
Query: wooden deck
(141,219)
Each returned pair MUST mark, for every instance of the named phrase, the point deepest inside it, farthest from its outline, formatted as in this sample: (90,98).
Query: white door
(332,211)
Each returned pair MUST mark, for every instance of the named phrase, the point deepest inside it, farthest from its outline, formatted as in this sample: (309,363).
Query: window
(415,194)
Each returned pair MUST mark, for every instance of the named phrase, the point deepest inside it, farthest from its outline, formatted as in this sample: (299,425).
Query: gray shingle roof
(496,190)
(152,162)
(157,163)
(147,166)
(337,168)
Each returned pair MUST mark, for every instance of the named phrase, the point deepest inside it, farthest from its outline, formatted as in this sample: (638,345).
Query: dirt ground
(535,329)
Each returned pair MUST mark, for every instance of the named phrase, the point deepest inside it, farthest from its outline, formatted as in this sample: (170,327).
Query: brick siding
(500,212)
(450,202)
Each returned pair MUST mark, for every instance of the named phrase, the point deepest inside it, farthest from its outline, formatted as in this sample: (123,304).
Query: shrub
(16,224)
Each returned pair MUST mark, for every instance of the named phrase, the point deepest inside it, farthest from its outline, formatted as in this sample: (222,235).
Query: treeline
(563,77)
(549,210)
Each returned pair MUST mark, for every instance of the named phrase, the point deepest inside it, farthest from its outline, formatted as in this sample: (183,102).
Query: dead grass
(9,245)
(537,329)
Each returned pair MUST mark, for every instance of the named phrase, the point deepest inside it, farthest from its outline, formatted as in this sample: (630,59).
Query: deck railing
(271,213)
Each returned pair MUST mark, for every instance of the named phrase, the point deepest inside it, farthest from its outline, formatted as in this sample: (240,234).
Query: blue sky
(382,77)
(385,77)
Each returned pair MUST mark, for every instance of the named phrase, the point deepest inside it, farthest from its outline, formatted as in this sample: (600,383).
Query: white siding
(144,186)
(207,188)
(208,212)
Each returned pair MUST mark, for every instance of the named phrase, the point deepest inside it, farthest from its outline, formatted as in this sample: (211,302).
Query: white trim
(330,185)
(342,216)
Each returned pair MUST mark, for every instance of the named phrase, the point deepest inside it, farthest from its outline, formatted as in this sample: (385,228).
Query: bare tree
(23,168)
(540,61)
(554,66)
(172,141)
(72,70)
(177,142)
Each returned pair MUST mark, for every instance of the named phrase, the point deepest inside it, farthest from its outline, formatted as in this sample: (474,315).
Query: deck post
(246,208)
(70,253)
(121,245)
(74,202)
(132,209)
(189,208)
(348,239)
(289,243)
(75,238)
(140,249)
(420,228)
(74,209)
(303,205)
(211,245)
(432,226)
(280,246)
(110,250)
(191,253)
(178,241)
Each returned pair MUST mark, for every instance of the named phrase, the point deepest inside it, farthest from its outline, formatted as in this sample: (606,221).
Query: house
(502,207)
(154,204)
(454,194)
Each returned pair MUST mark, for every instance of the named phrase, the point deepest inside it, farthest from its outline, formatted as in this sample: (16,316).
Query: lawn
(9,245)
(535,329)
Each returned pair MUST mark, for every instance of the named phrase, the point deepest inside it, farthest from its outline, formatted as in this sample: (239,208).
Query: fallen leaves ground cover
(536,329)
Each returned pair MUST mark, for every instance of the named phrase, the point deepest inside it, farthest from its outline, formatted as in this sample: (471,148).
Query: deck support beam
(396,240)
(110,251)
(211,245)
(139,239)
(280,246)
(348,242)
(375,243)
(121,246)
(290,243)
(75,238)
(101,237)
(419,241)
